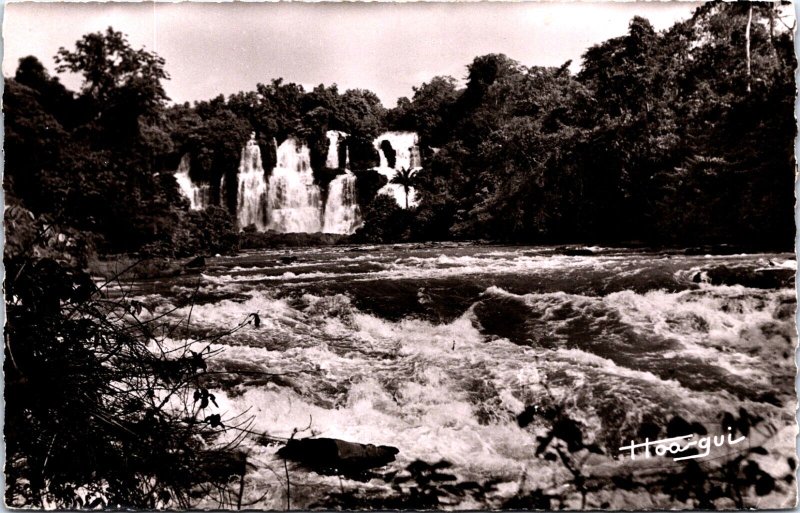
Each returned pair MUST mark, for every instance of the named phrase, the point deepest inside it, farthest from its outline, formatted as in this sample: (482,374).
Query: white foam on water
(415,396)
(605,365)
(713,324)
(445,391)
(441,266)
(710,323)
(416,404)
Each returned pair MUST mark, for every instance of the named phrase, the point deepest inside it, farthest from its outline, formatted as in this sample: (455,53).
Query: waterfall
(335,138)
(199,195)
(293,202)
(342,214)
(289,201)
(251,204)
(406,148)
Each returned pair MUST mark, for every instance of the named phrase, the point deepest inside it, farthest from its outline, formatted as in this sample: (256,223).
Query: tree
(96,161)
(34,144)
(215,146)
(123,86)
(109,64)
(405,178)
(52,94)
(429,112)
(485,71)
(384,221)
(735,126)
(360,114)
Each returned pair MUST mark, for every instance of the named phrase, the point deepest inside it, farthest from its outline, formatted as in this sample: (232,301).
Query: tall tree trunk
(747,42)
(772,10)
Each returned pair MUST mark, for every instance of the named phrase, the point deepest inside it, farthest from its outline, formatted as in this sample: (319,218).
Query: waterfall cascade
(335,138)
(251,206)
(406,157)
(341,214)
(293,200)
(289,200)
(199,195)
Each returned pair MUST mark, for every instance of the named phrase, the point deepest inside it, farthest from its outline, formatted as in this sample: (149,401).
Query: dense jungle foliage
(678,137)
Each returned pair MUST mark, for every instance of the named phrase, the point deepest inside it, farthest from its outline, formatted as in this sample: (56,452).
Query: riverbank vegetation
(103,409)
(680,137)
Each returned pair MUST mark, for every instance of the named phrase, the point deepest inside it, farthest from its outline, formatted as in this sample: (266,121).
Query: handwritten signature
(675,446)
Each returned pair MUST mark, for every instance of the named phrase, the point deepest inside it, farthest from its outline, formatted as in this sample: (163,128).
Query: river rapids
(436,349)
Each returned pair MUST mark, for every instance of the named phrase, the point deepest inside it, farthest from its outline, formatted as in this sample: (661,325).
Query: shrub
(208,231)
(384,221)
(98,411)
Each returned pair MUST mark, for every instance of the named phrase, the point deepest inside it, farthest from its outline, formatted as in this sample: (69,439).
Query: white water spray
(199,195)
(406,147)
(293,201)
(341,213)
(335,138)
(289,201)
(251,207)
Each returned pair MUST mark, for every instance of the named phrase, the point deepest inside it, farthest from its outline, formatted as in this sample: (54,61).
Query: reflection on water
(437,349)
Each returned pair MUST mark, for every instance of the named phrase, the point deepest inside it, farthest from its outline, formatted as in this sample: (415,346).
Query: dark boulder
(221,466)
(288,259)
(763,278)
(576,251)
(332,456)
(363,154)
(196,263)
(715,249)
(389,152)
(368,183)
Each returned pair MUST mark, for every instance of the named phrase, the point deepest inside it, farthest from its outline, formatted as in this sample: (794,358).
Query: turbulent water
(436,350)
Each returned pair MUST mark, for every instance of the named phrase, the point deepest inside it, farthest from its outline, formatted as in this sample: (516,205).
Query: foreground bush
(99,412)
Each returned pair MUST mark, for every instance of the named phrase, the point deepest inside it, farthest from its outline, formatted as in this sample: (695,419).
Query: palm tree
(405,178)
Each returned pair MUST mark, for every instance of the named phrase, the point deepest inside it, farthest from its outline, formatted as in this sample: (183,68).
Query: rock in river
(196,263)
(761,278)
(332,456)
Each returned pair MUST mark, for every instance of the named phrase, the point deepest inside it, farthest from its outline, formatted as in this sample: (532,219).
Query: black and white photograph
(273,256)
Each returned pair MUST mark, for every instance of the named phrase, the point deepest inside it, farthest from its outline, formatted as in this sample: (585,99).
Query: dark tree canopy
(109,64)
(675,137)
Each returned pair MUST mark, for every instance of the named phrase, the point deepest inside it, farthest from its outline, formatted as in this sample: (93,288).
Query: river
(436,349)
